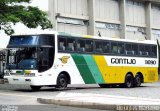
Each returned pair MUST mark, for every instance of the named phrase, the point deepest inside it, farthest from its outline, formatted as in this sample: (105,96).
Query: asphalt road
(42,108)
(22,95)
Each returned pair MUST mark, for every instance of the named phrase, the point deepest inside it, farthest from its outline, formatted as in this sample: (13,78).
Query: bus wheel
(62,81)
(128,81)
(137,81)
(36,88)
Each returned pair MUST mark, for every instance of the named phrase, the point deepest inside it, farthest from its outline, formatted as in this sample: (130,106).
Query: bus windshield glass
(22,58)
(31,52)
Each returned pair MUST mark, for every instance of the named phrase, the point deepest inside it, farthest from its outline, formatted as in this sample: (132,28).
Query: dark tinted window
(128,49)
(45,58)
(71,45)
(120,48)
(24,40)
(147,50)
(154,51)
(85,45)
(135,49)
(31,40)
(114,48)
(62,44)
(81,46)
(89,46)
(142,50)
(106,47)
(98,46)
(46,40)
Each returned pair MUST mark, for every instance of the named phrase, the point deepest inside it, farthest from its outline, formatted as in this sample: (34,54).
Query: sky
(42,4)
(20,28)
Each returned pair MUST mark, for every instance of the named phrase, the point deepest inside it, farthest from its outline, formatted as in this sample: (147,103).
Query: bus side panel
(65,62)
(95,69)
(83,68)
(104,69)
(119,70)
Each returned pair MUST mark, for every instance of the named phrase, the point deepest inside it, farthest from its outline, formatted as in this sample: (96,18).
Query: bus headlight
(7,73)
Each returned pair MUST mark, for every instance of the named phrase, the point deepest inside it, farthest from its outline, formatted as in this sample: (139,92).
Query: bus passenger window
(98,46)
(135,49)
(128,49)
(120,48)
(106,47)
(70,44)
(61,44)
(114,48)
(142,50)
(147,50)
(89,46)
(154,51)
(81,45)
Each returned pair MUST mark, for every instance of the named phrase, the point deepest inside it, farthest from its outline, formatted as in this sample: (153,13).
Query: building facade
(129,19)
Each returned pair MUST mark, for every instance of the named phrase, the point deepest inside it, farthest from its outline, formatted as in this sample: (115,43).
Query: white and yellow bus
(58,60)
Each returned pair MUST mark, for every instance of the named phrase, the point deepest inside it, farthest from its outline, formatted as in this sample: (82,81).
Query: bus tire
(35,88)
(62,82)
(137,81)
(128,81)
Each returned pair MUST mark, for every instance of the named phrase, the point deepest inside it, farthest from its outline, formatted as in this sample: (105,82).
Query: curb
(79,104)
(92,105)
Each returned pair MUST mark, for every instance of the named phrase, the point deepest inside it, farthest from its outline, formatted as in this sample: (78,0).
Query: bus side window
(120,48)
(70,44)
(62,47)
(106,47)
(128,49)
(142,50)
(81,45)
(62,44)
(98,47)
(154,51)
(135,49)
(147,50)
(114,48)
(89,46)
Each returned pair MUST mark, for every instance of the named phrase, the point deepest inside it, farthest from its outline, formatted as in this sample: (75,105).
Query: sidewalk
(105,102)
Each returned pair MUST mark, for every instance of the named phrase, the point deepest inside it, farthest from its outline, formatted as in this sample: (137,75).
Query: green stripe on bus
(83,69)
(93,68)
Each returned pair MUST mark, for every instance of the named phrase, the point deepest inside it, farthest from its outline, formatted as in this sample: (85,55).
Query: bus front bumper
(29,80)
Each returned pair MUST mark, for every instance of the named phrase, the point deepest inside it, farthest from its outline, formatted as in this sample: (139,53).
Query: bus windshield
(28,52)
(22,58)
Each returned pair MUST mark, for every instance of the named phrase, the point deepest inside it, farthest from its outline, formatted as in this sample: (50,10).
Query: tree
(13,11)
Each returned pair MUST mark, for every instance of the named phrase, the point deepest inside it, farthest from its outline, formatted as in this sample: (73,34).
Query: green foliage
(12,11)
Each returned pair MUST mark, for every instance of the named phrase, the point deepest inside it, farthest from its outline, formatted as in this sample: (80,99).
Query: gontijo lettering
(123,61)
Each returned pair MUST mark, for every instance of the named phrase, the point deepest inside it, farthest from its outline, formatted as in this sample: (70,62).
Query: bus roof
(89,36)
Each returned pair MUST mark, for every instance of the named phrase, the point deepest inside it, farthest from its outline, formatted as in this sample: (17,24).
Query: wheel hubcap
(62,82)
(138,81)
(129,82)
